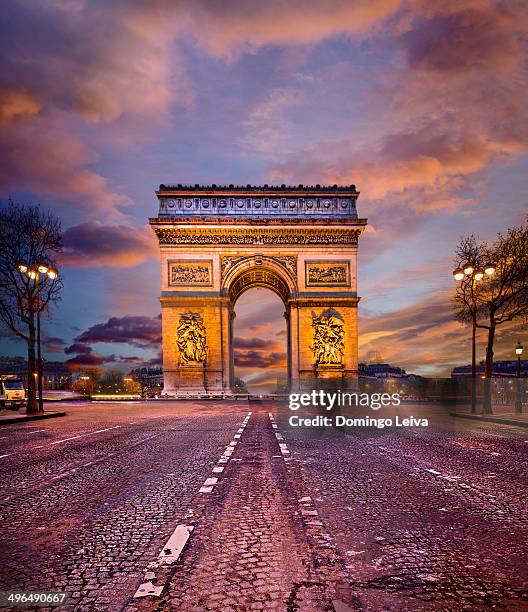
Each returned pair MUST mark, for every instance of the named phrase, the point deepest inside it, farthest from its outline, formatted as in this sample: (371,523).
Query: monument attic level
(217,242)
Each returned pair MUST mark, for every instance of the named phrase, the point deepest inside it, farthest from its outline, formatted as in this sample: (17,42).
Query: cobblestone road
(88,502)
(425,521)
(87,499)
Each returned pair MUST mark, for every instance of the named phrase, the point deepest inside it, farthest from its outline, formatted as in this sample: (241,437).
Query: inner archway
(260,342)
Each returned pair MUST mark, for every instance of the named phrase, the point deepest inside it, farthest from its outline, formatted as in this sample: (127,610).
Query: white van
(12,392)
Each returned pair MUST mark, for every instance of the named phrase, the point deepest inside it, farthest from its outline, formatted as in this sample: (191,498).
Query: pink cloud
(43,156)
(246,25)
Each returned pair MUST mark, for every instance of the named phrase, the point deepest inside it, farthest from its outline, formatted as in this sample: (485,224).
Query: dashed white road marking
(309,513)
(176,543)
(280,438)
(169,554)
(107,429)
(90,433)
(2,456)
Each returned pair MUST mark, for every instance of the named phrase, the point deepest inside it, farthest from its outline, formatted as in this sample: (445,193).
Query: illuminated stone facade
(218,242)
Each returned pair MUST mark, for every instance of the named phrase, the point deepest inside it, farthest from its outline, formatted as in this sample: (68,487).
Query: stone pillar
(211,376)
(293,345)
(288,336)
(308,372)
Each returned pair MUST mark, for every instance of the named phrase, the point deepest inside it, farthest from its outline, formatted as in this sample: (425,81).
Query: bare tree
(493,299)
(29,237)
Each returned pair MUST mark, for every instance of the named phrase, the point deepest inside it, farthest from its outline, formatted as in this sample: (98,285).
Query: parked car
(12,392)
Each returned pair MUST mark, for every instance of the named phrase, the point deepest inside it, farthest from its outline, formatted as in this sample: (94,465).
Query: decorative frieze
(260,236)
(190,273)
(324,273)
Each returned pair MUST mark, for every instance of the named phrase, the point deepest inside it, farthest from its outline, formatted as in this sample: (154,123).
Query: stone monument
(217,242)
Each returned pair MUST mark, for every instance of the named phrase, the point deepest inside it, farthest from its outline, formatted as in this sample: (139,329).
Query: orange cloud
(425,338)
(246,25)
(17,103)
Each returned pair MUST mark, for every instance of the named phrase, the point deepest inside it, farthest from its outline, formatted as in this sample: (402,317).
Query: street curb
(486,419)
(30,417)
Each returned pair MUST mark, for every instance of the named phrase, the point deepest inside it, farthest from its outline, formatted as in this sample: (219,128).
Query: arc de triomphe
(218,242)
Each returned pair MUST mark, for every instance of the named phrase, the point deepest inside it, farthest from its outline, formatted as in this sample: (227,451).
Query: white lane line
(2,456)
(209,482)
(68,439)
(169,554)
(280,439)
(309,512)
(29,433)
(107,429)
(172,550)
(90,433)
(208,485)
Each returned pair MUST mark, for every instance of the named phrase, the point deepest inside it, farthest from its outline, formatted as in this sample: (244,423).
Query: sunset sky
(421,104)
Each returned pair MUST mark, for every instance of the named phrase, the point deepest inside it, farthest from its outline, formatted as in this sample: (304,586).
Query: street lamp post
(85,380)
(38,273)
(470,273)
(518,402)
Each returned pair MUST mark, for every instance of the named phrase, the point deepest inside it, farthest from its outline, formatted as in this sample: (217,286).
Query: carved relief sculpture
(228,261)
(186,273)
(191,338)
(288,262)
(328,337)
(327,274)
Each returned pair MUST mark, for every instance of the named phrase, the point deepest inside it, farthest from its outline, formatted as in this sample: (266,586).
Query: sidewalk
(501,415)
(9,419)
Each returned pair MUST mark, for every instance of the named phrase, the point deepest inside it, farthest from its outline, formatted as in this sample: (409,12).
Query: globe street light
(469,273)
(518,403)
(38,273)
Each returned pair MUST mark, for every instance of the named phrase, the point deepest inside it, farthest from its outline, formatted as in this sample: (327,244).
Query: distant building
(56,374)
(150,378)
(501,369)
(381,370)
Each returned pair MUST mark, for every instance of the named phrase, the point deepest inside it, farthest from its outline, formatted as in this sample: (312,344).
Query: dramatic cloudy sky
(421,104)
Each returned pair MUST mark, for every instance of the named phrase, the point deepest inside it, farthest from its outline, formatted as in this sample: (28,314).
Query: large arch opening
(260,342)
(259,290)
